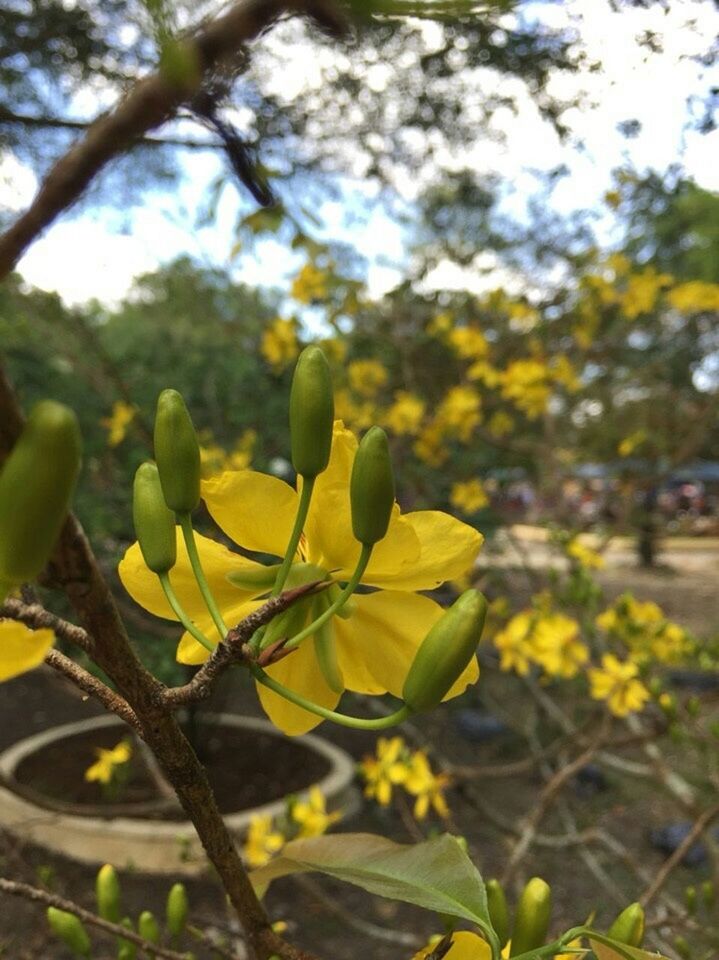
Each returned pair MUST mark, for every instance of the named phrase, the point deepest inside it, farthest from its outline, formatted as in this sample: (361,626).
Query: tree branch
(150,103)
(676,858)
(95,688)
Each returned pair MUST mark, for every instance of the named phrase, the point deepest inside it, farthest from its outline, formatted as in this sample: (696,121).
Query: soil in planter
(246,768)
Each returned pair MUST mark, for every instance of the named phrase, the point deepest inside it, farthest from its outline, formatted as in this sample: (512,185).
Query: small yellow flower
(367,377)
(469,496)
(617,683)
(557,646)
(21,649)
(279,344)
(117,423)
(465,946)
(262,842)
(585,556)
(406,414)
(694,296)
(459,412)
(514,643)
(312,816)
(500,424)
(526,384)
(469,343)
(426,786)
(310,284)
(386,769)
(105,767)
(629,444)
(430,445)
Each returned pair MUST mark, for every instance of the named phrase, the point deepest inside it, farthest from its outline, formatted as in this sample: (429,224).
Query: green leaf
(437,874)
(607,949)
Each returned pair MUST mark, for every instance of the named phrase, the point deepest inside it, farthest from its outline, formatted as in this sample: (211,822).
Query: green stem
(174,602)
(335,607)
(189,534)
(550,949)
(303,507)
(357,723)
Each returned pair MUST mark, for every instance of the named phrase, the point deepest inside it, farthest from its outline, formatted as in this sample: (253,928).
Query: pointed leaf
(607,949)
(437,874)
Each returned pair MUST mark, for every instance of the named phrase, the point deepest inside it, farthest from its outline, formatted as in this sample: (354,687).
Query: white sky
(87,257)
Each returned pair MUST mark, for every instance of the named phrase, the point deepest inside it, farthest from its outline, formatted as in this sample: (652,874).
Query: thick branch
(36,895)
(149,104)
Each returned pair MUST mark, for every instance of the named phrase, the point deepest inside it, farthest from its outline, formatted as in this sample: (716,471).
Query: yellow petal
(465,946)
(217,562)
(191,652)
(300,672)
(377,645)
(255,510)
(448,549)
(21,649)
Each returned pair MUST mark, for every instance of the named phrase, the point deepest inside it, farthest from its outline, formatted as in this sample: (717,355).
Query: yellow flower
(261,842)
(525,383)
(406,413)
(577,944)
(584,556)
(465,946)
(310,284)
(459,412)
(486,373)
(557,647)
(117,423)
(617,683)
(469,497)
(500,424)
(694,296)
(386,769)
(279,344)
(642,292)
(629,444)
(21,649)
(430,446)
(469,343)
(426,786)
(360,416)
(366,377)
(104,768)
(563,372)
(514,643)
(312,815)
(376,639)
(440,325)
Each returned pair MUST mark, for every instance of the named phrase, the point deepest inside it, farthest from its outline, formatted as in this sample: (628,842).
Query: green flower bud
(177,909)
(629,926)
(312,413)
(498,910)
(532,920)
(148,927)
(682,947)
(690,898)
(445,652)
(154,521)
(36,485)
(372,488)
(70,930)
(107,893)
(125,949)
(708,894)
(177,453)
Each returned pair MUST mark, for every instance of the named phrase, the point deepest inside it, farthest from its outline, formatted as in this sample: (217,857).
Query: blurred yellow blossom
(629,444)
(440,325)
(359,416)
(117,423)
(21,649)
(279,343)
(557,646)
(469,343)
(617,682)
(468,496)
(427,786)
(366,377)
(465,946)
(335,349)
(524,382)
(642,291)
(514,643)
(485,373)
(214,459)
(644,629)
(563,372)
(585,556)
(430,445)
(262,841)
(500,424)
(311,814)
(385,770)
(694,296)
(406,413)
(459,412)
(105,767)
(310,284)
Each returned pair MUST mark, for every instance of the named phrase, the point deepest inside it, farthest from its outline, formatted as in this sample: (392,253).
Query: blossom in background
(310,284)
(427,786)
(430,445)
(385,770)
(629,444)
(500,424)
(642,292)
(117,423)
(279,344)
(644,630)
(617,683)
(694,296)
(585,556)
(459,412)
(468,496)
(108,761)
(360,415)
(405,415)
(469,343)
(525,383)
(514,643)
(215,459)
(262,842)
(557,646)
(311,814)
(21,649)
(376,642)
(367,377)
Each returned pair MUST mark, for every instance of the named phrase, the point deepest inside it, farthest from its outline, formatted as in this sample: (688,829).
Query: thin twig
(676,858)
(36,616)
(23,890)
(95,688)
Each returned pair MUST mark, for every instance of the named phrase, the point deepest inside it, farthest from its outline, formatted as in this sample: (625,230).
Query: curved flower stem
(358,723)
(179,612)
(303,507)
(189,534)
(335,607)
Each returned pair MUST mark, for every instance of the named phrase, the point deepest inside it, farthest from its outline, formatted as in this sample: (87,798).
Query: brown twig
(36,616)
(150,103)
(233,647)
(662,875)
(16,889)
(93,687)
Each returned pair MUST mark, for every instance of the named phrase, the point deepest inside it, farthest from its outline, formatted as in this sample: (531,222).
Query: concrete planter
(149,845)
